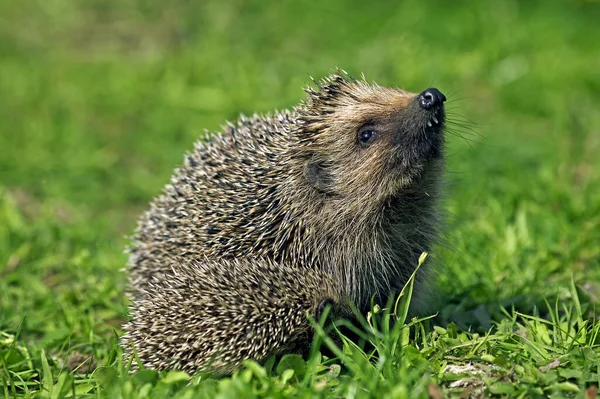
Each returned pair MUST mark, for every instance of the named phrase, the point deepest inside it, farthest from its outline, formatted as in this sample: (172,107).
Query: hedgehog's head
(369,142)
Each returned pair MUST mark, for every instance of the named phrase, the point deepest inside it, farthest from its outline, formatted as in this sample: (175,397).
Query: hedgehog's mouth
(434,134)
(434,122)
(420,140)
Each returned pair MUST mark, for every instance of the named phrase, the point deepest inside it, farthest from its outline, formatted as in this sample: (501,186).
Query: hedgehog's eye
(366,136)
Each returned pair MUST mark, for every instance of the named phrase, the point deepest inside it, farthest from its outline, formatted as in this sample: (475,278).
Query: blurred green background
(100,99)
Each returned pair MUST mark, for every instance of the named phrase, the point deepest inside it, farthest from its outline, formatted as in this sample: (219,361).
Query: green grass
(100,99)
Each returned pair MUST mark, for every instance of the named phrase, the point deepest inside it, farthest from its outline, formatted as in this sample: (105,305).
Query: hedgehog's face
(370,141)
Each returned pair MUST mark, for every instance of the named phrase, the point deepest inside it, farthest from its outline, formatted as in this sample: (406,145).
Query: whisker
(454,100)
(469,141)
(463,117)
(466,130)
(451,94)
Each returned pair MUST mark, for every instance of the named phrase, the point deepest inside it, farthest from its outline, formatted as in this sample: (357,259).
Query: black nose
(431,98)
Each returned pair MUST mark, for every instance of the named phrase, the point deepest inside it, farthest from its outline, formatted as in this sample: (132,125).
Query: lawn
(99,100)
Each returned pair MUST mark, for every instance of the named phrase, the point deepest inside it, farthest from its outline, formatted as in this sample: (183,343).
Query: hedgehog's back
(223,202)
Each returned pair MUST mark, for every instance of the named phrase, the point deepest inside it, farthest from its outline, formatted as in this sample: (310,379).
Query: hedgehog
(276,217)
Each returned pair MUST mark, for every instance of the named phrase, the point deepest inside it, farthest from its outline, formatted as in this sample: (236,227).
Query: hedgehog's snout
(432,102)
(431,98)
(421,128)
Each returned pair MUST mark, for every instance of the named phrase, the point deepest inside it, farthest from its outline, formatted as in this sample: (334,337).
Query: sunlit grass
(100,100)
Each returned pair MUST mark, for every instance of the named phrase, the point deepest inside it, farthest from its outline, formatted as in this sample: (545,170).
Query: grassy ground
(100,99)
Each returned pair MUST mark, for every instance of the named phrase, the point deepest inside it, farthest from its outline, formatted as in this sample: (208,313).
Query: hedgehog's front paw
(325,305)
(332,309)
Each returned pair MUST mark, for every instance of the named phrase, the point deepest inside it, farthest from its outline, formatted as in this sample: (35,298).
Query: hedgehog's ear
(318,176)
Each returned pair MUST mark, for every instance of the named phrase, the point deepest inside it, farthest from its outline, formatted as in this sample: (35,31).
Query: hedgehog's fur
(276,215)
(211,315)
